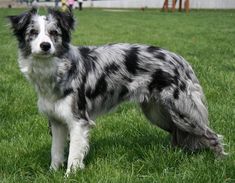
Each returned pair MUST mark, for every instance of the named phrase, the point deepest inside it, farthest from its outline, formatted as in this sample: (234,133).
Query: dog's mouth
(43,54)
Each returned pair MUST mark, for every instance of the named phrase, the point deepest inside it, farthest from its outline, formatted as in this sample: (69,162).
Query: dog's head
(43,36)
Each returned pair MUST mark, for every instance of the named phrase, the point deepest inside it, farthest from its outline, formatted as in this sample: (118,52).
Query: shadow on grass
(134,147)
(153,149)
(148,147)
(36,161)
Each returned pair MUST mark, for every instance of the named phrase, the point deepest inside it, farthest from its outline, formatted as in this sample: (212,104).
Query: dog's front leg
(78,131)
(59,137)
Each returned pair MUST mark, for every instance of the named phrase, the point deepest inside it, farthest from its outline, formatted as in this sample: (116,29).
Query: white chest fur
(42,74)
(60,110)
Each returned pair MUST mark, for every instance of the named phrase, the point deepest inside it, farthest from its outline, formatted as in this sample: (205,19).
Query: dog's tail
(190,116)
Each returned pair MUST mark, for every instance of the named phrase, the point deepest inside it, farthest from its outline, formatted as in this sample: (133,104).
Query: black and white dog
(75,84)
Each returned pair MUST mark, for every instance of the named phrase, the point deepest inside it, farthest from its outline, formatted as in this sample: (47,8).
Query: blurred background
(194,4)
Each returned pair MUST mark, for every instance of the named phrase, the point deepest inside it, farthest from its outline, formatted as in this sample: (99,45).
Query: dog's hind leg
(186,131)
(154,111)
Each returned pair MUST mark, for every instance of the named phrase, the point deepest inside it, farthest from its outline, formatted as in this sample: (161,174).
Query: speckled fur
(76,84)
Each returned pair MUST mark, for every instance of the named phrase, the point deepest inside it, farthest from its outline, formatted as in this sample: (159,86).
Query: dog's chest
(44,79)
(59,110)
(42,74)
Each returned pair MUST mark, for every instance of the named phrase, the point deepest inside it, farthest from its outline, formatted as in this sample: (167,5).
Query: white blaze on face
(42,37)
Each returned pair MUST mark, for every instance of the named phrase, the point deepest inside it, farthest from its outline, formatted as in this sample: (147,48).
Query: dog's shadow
(134,147)
(35,162)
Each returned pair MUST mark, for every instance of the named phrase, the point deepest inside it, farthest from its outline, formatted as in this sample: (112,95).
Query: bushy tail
(190,116)
(194,143)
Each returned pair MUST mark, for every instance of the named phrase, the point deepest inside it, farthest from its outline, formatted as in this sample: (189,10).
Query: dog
(76,84)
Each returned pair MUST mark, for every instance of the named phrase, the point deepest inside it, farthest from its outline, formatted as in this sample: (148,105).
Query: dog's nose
(45,46)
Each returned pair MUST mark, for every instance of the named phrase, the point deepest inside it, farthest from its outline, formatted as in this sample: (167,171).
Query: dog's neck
(41,72)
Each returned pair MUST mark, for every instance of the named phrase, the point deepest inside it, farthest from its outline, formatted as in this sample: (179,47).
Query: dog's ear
(20,22)
(65,21)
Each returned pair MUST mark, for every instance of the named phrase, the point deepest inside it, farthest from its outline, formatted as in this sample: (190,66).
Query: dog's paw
(55,166)
(73,169)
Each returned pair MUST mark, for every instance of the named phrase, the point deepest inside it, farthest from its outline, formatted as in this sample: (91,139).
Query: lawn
(124,147)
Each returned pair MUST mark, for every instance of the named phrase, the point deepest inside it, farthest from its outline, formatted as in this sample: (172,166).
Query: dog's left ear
(65,20)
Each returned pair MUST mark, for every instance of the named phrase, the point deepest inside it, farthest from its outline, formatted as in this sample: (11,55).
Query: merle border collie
(76,84)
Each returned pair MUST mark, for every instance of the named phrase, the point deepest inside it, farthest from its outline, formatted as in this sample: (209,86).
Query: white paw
(56,165)
(74,168)
(53,168)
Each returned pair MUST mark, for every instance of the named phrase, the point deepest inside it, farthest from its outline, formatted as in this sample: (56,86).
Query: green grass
(124,147)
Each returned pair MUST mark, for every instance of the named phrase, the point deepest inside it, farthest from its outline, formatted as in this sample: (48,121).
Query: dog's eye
(54,33)
(33,32)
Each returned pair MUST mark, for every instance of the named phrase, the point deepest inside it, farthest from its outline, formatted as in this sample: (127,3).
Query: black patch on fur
(128,79)
(131,60)
(62,49)
(89,61)
(152,49)
(188,75)
(100,88)
(176,77)
(84,52)
(88,92)
(63,79)
(111,68)
(183,86)
(179,61)
(68,92)
(90,64)
(161,80)
(181,116)
(124,91)
(72,70)
(176,80)
(192,125)
(160,56)
(81,95)
(176,94)
(176,72)
(111,92)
